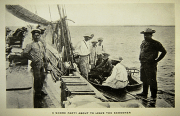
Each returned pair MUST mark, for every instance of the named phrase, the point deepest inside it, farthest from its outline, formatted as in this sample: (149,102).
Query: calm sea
(125,41)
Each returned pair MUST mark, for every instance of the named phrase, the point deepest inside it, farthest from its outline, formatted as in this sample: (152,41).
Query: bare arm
(25,52)
(161,56)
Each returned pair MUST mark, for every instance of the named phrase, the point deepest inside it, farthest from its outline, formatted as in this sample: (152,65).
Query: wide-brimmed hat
(8,30)
(42,30)
(87,35)
(106,53)
(36,31)
(148,30)
(100,39)
(117,58)
(94,41)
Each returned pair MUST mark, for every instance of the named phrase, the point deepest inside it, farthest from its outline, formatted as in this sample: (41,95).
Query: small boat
(133,85)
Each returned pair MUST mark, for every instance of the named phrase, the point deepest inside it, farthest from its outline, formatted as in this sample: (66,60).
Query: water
(125,41)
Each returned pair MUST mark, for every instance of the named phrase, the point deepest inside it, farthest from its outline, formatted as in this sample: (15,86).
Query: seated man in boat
(103,69)
(119,77)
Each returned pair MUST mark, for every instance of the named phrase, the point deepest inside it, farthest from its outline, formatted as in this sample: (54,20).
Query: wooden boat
(134,84)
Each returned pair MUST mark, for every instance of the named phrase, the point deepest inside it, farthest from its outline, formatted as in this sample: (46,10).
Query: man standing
(100,50)
(35,52)
(149,59)
(83,50)
(93,54)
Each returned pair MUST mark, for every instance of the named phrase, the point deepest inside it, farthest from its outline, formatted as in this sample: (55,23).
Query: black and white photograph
(109,56)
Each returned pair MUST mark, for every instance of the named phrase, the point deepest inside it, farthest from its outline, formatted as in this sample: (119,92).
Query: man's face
(93,44)
(36,36)
(100,41)
(105,57)
(147,36)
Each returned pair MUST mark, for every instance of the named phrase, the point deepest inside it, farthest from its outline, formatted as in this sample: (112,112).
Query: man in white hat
(83,50)
(93,53)
(118,78)
(149,59)
(100,50)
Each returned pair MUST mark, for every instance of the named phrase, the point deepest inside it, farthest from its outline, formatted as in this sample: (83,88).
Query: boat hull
(133,85)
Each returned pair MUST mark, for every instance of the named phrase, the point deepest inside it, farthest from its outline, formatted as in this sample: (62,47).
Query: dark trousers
(39,78)
(99,59)
(148,77)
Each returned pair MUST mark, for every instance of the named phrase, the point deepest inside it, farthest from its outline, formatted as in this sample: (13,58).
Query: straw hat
(148,30)
(100,39)
(117,58)
(105,53)
(8,30)
(94,41)
(87,35)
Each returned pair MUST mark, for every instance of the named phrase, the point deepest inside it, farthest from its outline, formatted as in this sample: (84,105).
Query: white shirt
(83,48)
(93,55)
(118,78)
(100,49)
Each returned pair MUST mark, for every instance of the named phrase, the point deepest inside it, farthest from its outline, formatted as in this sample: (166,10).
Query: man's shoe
(43,93)
(142,94)
(152,99)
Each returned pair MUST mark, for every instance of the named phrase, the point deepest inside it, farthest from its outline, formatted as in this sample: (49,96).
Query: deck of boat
(71,92)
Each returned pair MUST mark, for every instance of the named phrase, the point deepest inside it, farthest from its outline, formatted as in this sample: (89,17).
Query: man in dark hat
(103,70)
(36,53)
(149,58)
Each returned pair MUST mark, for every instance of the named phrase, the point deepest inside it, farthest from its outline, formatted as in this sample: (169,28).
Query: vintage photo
(108,55)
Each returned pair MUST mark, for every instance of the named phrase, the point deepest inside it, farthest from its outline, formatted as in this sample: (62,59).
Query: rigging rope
(50,13)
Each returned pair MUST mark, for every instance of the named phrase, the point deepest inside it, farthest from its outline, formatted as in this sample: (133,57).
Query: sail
(26,15)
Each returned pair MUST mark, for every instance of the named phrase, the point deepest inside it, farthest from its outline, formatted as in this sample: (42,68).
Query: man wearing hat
(118,78)
(103,69)
(149,58)
(36,53)
(100,50)
(83,50)
(7,36)
(93,53)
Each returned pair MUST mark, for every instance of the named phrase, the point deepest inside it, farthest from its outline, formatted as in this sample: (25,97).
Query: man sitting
(103,69)
(118,78)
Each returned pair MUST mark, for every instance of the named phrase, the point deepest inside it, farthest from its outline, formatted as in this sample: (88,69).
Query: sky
(104,14)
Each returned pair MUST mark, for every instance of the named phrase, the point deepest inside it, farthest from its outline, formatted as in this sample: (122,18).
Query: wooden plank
(79,88)
(82,93)
(70,77)
(97,93)
(65,80)
(53,90)
(76,84)
(161,103)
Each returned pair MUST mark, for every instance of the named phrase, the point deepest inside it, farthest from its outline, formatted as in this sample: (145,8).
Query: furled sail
(26,15)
